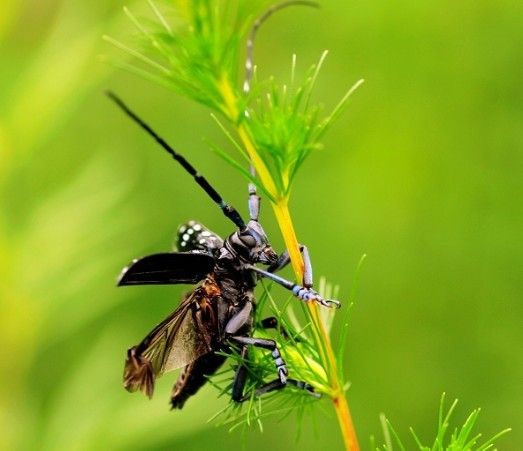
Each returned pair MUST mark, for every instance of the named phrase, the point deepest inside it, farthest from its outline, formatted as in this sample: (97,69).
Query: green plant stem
(284,219)
(322,338)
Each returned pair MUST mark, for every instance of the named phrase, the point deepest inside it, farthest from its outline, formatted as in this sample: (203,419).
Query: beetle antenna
(249,58)
(254,199)
(228,210)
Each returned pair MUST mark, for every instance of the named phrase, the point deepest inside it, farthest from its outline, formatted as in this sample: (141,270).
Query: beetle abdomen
(193,377)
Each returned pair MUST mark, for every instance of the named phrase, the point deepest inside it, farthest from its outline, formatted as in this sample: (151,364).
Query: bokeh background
(423,173)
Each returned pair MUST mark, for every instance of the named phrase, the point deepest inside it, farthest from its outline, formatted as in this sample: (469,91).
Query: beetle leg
(277,385)
(303,293)
(239,319)
(240,378)
(272,323)
(284,259)
(270,345)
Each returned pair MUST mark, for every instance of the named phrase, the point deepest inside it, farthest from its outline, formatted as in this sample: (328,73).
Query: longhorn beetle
(219,312)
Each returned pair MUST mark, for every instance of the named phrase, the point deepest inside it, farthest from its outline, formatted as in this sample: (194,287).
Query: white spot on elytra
(185,237)
(190,231)
(197,227)
(205,233)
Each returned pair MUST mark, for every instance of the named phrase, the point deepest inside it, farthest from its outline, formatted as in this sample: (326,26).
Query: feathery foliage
(199,56)
(460,439)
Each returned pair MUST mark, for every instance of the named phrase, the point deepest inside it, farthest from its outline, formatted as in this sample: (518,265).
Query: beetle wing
(181,341)
(167,268)
(188,333)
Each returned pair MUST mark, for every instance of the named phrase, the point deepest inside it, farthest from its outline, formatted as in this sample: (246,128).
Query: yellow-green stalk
(281,210)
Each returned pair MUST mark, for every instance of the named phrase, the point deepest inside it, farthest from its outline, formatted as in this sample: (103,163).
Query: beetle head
(252,244)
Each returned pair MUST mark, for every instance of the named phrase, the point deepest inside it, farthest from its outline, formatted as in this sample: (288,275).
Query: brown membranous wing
(188,333)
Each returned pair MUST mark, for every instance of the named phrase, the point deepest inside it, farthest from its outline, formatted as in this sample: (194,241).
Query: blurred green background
(423,173)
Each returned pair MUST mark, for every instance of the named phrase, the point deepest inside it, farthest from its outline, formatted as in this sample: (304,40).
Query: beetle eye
(248,240)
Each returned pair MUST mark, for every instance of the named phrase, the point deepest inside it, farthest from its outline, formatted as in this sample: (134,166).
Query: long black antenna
(228,210)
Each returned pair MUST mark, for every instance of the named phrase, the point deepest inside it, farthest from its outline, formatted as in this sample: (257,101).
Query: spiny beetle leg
(276,384)
(272,323)
(240,378)
(270,345)
(285,259)
(303,293)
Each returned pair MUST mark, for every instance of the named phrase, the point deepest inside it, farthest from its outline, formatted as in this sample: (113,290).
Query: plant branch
(321,336)
(281,210)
